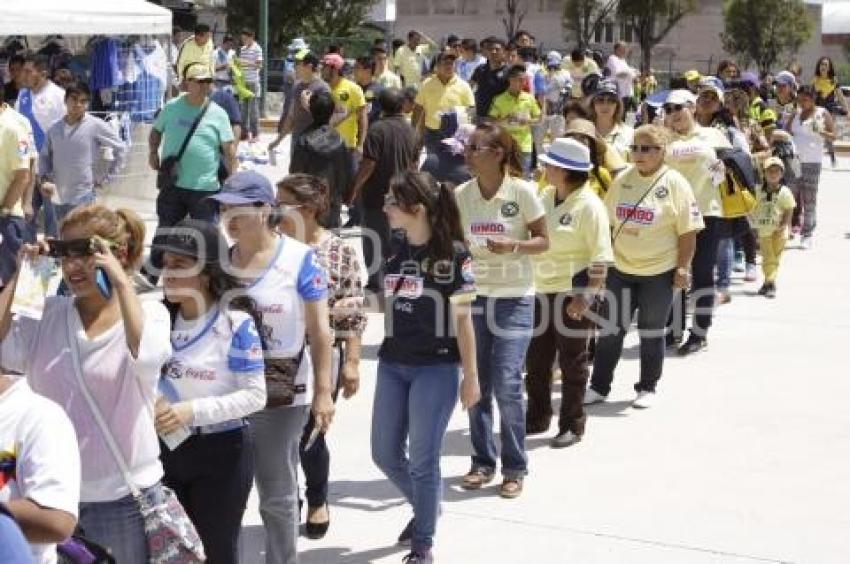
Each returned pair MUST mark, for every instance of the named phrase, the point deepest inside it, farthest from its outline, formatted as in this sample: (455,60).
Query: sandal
(475,479)
(511,488)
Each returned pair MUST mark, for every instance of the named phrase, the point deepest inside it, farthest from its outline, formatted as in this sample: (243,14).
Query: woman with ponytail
(504,222)
(429,287)
(121,343)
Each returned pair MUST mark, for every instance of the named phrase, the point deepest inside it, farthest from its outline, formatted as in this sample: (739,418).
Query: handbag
(166,177)
(280,379)
(171,536)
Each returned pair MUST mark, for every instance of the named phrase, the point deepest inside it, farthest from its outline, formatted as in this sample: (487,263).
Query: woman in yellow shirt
(567,279)
(608,115)
(829,96)
(654,220)
(503,224)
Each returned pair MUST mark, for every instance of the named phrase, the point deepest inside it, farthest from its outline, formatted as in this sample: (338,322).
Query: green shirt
(507,107)
(198,169)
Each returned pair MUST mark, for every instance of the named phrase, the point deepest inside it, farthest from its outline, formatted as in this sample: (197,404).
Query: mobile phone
(103,283)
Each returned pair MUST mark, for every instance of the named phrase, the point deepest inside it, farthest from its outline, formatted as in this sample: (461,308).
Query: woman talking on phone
(504,223)
(104,338)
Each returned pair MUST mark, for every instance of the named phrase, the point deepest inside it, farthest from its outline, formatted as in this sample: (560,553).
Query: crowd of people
(518,211)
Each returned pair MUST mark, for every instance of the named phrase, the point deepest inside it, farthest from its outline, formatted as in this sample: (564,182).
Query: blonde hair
(123,227)
(655,133)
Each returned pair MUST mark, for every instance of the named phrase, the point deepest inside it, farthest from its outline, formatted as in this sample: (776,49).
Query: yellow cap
(692,75)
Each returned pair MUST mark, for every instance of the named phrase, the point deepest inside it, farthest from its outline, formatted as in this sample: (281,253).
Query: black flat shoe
(316,531)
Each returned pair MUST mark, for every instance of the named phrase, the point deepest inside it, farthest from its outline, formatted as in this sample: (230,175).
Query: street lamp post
(264,44)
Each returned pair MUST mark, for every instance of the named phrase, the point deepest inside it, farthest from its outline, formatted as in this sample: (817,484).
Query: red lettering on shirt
(488,228)
(642,216)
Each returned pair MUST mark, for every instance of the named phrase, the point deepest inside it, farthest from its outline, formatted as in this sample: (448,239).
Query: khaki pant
(771,251)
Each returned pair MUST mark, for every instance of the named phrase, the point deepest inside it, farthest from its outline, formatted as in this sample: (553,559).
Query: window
(626,32)
(444,7)
(420,7)
(609,32)
(597,34)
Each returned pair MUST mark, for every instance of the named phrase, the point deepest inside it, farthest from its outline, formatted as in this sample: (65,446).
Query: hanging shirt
(694,156)
(104,69)
(647,243)
(419,294)
(579,235)
(217,365)
(42,108)
(294,276)
(506,214)
(39,456)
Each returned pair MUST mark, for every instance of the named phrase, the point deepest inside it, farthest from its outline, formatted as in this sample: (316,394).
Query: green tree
(652,20)
(583,17)
(765,32)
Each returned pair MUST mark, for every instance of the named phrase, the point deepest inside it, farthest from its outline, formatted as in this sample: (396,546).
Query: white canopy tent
(83,17)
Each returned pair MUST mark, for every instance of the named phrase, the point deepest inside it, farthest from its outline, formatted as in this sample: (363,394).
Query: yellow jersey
(506,107)
(348,98)
(694,156)
(435,97)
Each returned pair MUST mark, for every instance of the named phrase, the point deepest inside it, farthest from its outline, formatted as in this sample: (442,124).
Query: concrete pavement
(744,459)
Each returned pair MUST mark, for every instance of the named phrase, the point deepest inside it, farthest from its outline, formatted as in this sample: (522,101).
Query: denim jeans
(276,433)
(39,202)
(251,110)
(118,526)
(503,328)
(412,407)
(703,285)
(64,209)
(652,297)
(805,191)
(15,231)
(212,476)
(725,258)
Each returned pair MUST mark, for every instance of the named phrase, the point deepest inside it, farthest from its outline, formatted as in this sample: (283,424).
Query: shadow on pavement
(341,554)
(609,409)
(349,493)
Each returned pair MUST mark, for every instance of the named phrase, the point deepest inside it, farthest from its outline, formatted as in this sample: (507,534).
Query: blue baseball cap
(246,187)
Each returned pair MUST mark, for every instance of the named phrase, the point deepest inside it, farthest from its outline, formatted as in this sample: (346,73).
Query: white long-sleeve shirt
(217,365)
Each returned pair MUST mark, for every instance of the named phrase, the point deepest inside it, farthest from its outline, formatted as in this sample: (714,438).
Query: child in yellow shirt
(772,219)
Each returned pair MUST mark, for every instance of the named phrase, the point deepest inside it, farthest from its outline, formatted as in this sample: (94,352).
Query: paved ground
(745,458)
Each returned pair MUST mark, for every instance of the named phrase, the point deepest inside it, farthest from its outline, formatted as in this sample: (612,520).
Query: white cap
(568,153)
(681,97)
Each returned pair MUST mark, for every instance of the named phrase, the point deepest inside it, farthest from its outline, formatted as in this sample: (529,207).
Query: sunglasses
(644,149)
(672,108)
(72,248)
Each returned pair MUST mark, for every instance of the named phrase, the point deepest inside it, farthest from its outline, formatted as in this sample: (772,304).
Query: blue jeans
(725,258)
(413,404)
(652,296)
(64,209)
(118,526)
(503,328)
(15,231)
(39,202)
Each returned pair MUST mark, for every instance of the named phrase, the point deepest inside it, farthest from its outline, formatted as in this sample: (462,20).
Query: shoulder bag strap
(95,410)
(192,129)
(633,211)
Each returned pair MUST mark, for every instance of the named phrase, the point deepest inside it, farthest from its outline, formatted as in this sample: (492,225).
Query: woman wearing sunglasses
(654,221)
(504,223)
(693,153)
(608,115)
(290,287)
(304,199)
(120,343)
(428,285)
(606,161)
(567,278)
(212,382)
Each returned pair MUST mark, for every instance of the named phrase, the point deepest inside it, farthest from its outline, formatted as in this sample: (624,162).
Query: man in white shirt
(222,58)
(623,74)
(251,61)
(43,104)
(39,467)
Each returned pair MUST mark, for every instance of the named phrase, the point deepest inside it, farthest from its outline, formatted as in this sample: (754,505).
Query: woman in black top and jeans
(429,288)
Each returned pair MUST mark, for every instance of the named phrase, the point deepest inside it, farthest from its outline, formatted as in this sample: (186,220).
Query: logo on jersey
(23,148)
(8,464)
(403,286)
(510,209)
(662,192)
(641,216)
(566,219)
(488,228)
(343,96)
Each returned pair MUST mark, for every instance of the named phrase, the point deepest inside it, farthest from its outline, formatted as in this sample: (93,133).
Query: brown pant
(555,332)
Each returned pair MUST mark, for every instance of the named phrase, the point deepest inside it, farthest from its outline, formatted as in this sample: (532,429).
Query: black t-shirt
(417,323)
(10,93)
(391,143)
(489,84)
(373,105)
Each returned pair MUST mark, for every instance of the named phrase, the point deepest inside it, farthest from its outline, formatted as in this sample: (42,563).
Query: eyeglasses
(644,149)
(390,200)
(672,108)
(73,248)
(605,99)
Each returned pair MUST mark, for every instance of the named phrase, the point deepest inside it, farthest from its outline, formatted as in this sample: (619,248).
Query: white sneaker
(644,400)
(591,396)
(806,243)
